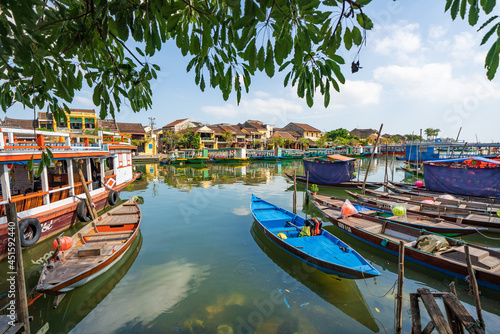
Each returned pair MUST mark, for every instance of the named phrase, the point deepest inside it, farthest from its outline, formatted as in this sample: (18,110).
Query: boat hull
(343,185)
(418,257)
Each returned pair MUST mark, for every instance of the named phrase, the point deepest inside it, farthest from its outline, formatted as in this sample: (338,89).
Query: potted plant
(314,189)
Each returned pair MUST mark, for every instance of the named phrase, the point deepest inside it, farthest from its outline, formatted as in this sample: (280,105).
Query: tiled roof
(216,129)
(19,123)
(107,124)
(174,123)
(284,135)
(43,116)
(306,127)
(132,128)
(294,134)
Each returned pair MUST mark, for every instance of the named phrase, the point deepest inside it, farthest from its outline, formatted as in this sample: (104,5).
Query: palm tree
(428,132)
(304,142)
(228,137)
(321,141)
(277,142)
(289,142)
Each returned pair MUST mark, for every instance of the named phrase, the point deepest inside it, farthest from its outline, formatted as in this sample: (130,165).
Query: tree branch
(61,20)
(123,44)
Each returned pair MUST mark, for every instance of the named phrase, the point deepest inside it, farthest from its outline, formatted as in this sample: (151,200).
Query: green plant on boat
(314,188)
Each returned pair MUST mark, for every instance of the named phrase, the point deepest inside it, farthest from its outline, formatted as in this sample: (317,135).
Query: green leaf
(356,36)
(492,69)
(488,5)
(473,13)
(448,4)
(40,169)
(463,8)
(488,22)
(364,21)
(30,163)
(261,59)
(454,9)
(347,39)
(269,66)
(489,33)
(309,98)
(49,154)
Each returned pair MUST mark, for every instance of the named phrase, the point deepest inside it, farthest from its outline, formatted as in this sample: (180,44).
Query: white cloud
(84,100)
(436,32)
(433,82)
(269,109)
(243,211)
(465,48)
(397,40)
(352,94)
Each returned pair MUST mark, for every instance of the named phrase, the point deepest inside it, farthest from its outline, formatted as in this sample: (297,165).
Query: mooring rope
(373,293)
(486,235)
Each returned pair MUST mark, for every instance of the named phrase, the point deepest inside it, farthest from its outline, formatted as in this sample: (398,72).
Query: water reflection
(342,294)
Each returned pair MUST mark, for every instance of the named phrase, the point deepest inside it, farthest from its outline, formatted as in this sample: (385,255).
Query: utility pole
(152,124)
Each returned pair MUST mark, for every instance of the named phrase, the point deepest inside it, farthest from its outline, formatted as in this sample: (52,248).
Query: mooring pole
(295,191)
(399,296)
(463,148)
(475,289)
(386,175)
(307,187)
(88,198)
(17,269)
(458,135)
(371,157)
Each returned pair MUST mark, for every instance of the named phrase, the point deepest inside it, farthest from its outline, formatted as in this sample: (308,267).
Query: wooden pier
(6,328)
(459,319)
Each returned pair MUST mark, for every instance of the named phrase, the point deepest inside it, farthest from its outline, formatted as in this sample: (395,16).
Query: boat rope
(385,294)
(484,235)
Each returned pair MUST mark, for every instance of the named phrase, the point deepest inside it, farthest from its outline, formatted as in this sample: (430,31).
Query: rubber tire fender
(113,197)
(35,226)
(140,176)
(81,214)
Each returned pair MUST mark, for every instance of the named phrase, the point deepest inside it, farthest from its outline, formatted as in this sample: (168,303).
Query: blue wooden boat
(324,252)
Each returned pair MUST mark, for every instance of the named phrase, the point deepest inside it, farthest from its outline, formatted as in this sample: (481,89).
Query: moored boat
(95,249)
(323,251)
(51,203)
(342,185)
(490,222)
(447,257)
(435,225)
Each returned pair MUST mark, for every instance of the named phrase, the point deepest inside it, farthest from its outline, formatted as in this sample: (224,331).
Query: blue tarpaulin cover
(326,172)
(462,179)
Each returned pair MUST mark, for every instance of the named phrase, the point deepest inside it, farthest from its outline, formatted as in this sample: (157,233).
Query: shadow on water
(78,303)
(343,294)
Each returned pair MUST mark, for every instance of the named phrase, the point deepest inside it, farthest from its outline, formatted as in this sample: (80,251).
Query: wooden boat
(54,202)
(96,248)
(324,252)
(343,185)
(491,223)
(386,235)
(460,206)
(435,225)
(399,187)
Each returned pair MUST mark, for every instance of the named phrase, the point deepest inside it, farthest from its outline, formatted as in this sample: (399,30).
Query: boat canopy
(329,172)
(340,157)
(490,161)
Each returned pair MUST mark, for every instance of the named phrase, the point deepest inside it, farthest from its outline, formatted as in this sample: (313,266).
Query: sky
(419,70)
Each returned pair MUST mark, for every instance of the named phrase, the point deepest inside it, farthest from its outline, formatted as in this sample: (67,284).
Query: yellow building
(78,119)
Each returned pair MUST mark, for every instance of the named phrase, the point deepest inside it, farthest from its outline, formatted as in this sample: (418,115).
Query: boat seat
(282,229)
(374,229)
(102,234)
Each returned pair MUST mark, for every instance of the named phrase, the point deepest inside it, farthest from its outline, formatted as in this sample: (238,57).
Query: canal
(201,266)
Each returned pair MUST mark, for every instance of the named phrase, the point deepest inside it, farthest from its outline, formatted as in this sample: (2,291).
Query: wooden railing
(34,200)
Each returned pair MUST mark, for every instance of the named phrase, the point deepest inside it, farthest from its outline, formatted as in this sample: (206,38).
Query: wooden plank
(453,321)
(17,328)
(434,312)
(416,324)
(104,234)
(461,313)
(4,323)
(429,328)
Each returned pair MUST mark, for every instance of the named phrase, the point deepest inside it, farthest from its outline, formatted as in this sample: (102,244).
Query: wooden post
(295,191)
(419,154)
(452,288)
(475,290)
(17,270)
(399,296)
(463,148)
(458,135)
(416,324)
(88,198)
(371,157)
(393,166)
(386,175)
(307,187)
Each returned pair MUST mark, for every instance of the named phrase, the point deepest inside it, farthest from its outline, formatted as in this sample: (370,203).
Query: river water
(201,266)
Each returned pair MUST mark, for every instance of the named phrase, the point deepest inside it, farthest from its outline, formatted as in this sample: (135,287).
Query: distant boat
(95,249)
(448,257)
(324,251)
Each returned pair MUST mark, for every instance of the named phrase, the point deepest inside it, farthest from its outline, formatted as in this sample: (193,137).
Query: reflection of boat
(343,294)
(344,185)
(322,251)
(440,254)
(81,302)
(95,249)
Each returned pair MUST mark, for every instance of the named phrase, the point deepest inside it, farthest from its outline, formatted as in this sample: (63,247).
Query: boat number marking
(344,227)
(46,226)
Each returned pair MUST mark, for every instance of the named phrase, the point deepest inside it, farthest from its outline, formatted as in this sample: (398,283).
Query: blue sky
(420,70)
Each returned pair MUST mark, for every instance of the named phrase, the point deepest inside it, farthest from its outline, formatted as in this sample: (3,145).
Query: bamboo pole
(419,154)
(458,135)
(371,157)
(21,300)
(399,296)
(386,175)
(307,187)
(88,198)
(393,165)
(463,148)
(295,191)
(475,289)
